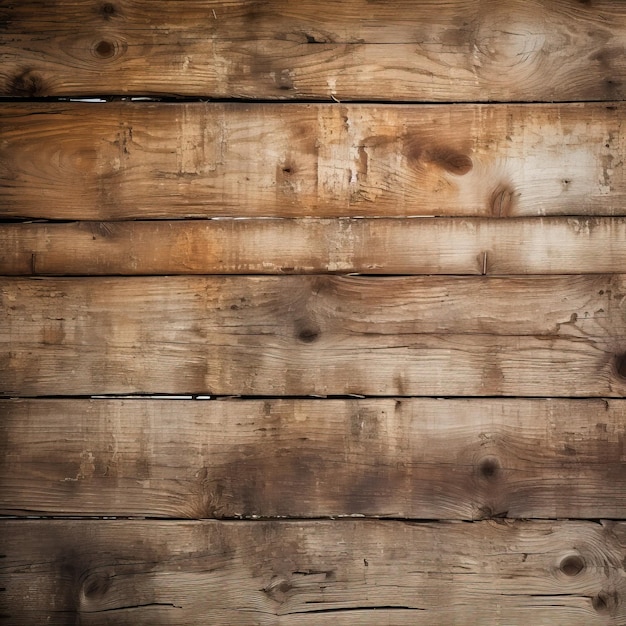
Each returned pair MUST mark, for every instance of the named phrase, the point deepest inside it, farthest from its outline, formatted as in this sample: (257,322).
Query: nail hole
(572,565)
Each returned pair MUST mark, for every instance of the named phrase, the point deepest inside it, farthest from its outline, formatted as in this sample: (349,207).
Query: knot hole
(620,365)
(308,335)
(104,49)
(572,565)
(489,468)
(108,10)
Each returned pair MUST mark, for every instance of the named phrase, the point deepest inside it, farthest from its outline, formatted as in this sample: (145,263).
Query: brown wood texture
(323,572)
(311,246)
(298,335)
(409,458)
(528,205)
(463,50)
(146,160)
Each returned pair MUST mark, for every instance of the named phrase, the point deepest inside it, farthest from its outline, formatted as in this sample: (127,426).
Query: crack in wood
(383,607)
(131,607)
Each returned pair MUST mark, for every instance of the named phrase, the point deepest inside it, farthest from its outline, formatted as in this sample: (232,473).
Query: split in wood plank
(462,50)
(320,335)
(410,458)
(148,573)
(306,246)
(128,160)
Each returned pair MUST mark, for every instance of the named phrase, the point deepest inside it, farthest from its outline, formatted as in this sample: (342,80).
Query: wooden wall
(315,315)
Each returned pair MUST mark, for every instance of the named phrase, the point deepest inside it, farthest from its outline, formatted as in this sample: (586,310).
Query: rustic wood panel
(563,336)
(323,572)
(464,50)
(131,160)
(276,246)
(415,458)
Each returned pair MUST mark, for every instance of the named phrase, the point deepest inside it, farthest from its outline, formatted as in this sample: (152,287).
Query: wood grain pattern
(325,572)
(464,50)
(564,336)
(307,246)
(415,458)
(299,192)
(145,160)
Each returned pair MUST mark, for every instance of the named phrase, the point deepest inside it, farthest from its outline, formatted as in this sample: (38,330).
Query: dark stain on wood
(258,480)
(71,570)
(607,57)
(143,468)
(420,152)
(606,602)
(97,584)
(28,84)
(461,36)
(399,383)
(451,161)
(255,13)
(307,331)
(108,10)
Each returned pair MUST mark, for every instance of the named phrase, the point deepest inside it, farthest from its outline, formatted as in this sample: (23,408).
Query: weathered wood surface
(299,335)
(324,572)
(306,246)
(415,458)
(139,160)
(464,50)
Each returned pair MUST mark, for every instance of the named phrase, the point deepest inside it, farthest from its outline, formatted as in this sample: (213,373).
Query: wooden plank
(324,572)
(129,160)
(412,458)
(299,335)
(463,50)
(307,246)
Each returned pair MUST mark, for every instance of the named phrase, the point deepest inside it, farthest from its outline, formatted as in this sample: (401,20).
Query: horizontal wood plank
(130,160)
(463,50)
(324,572)
(299,335)
(411,458)
(274,246)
